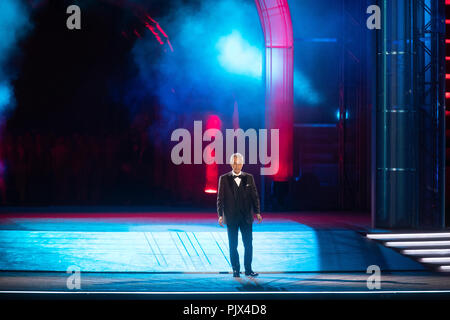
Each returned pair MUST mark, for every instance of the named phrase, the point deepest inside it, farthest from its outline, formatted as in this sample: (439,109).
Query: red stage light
(152,29)
(212,171)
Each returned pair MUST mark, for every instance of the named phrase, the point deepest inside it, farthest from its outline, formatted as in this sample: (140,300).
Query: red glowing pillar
(277,27)
(212,171)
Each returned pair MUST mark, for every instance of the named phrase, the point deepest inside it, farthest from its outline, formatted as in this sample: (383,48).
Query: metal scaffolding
(410,115)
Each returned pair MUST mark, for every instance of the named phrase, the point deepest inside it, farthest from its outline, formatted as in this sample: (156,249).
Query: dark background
(72,139)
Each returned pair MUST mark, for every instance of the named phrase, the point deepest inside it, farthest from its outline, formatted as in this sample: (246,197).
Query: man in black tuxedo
(237,201)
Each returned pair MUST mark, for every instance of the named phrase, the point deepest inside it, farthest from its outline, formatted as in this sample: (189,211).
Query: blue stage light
(14,23)
(238,56)
(338,115)
(5,96)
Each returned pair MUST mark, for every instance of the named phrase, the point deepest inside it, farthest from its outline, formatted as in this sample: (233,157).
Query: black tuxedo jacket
(226,201)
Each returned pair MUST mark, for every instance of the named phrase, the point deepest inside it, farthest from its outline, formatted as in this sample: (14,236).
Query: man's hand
(258,216)
(221,221)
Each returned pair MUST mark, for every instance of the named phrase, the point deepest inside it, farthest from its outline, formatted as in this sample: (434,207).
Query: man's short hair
(239,156)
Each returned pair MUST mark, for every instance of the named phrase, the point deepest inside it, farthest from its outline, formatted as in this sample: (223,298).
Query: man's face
(237,167)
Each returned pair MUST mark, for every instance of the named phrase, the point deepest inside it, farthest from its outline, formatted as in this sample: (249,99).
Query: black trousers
(247,238)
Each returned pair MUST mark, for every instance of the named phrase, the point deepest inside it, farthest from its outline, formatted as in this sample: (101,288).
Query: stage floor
(188,252)
(278,283)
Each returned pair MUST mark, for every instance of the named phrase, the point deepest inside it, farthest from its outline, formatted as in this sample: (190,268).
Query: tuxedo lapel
(230,184)
(230,180)
(243,181)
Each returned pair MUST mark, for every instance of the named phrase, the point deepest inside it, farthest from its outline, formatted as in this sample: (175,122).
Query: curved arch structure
(279,65)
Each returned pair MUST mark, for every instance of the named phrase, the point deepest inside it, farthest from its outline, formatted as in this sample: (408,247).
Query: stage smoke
(208,39)
(14,24)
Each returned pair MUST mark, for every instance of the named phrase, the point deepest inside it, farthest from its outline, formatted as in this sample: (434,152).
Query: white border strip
(416,243)
(418,252)
(393,236)
(436,260)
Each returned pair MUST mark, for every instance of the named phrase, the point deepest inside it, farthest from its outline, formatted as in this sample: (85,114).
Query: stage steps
(447,167)
(431,249)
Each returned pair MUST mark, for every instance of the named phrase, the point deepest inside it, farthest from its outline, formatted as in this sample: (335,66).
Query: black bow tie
(234,177)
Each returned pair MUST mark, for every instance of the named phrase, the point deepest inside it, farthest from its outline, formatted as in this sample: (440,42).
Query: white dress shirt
(238,181)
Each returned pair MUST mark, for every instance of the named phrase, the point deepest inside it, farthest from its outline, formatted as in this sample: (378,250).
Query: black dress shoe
(251,274)
(236,274)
